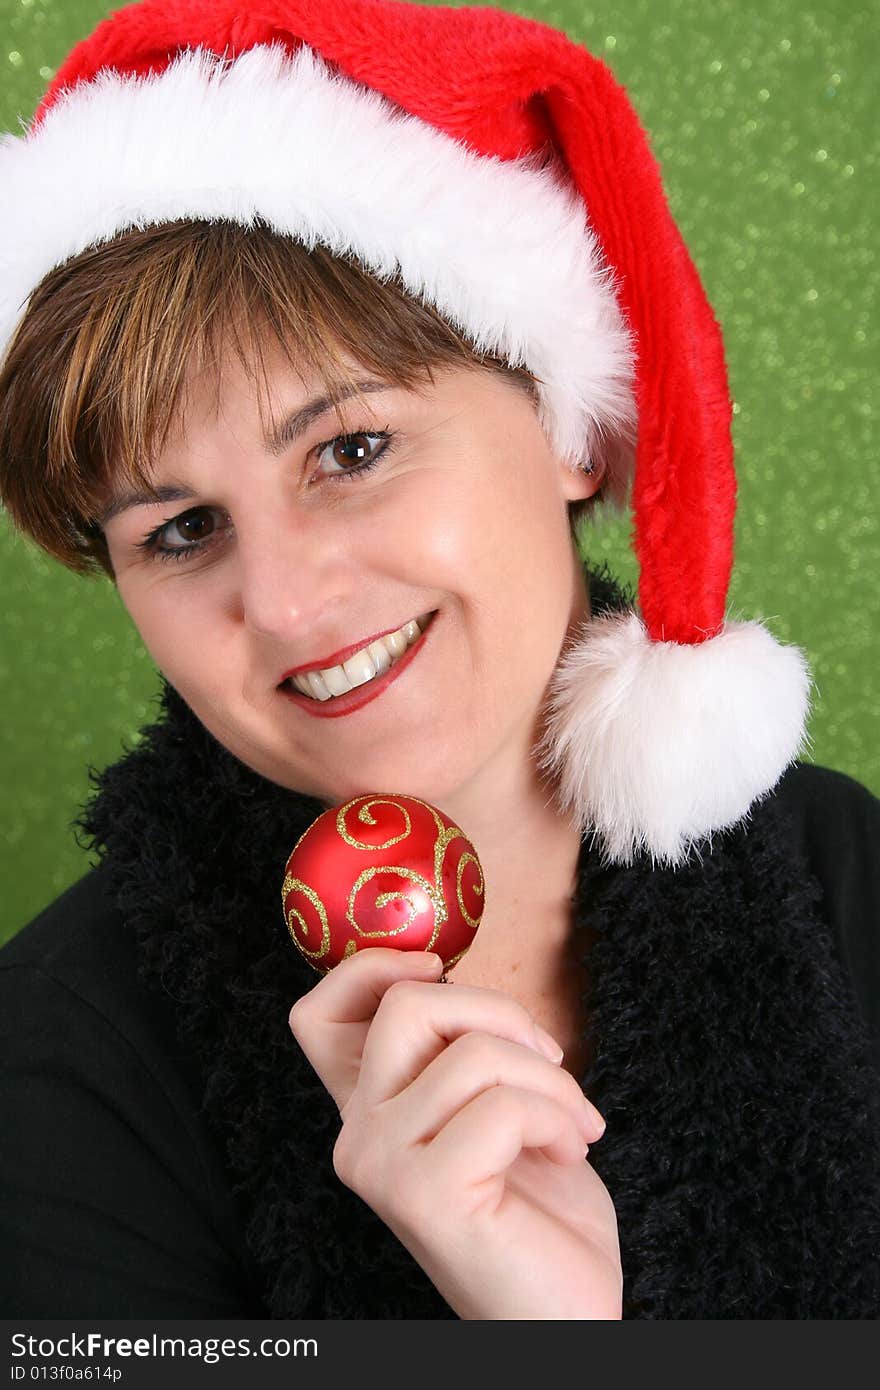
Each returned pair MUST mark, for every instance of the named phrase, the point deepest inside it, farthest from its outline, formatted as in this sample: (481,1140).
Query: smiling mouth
(363,667)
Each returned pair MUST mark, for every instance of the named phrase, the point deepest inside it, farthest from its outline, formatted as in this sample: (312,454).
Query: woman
(297,416)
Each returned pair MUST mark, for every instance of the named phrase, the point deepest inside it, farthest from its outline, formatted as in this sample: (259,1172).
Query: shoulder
(79,952)
(81,928)
(120,1200)
(834,823)
(74,1014)
(70,994)
(810,792)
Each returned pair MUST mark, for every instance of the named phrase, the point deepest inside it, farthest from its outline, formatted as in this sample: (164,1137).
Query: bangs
(97,377)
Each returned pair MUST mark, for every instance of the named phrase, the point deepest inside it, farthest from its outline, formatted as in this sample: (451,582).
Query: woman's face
(285,556)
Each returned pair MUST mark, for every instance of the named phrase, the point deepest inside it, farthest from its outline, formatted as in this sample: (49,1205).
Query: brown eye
(191,533)
(349,450)
(349,455)
(194,525)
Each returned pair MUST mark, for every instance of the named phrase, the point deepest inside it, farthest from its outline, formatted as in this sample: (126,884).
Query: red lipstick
(352,700)
(337,658)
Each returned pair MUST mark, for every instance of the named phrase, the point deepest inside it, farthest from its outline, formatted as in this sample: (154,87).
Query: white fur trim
(500,248)
(656,745)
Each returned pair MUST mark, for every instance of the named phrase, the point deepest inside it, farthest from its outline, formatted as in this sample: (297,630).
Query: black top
(115,1198)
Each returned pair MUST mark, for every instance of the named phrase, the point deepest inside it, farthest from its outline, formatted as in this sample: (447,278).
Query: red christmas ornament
(382,870)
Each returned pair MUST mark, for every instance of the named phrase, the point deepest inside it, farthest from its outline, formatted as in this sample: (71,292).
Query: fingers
(377,1028)
(351,991)
(485,1137)
(475,1063)
(331,1021)
(415,1022)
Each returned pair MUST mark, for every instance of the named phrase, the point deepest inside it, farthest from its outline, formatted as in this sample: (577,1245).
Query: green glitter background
(762,114)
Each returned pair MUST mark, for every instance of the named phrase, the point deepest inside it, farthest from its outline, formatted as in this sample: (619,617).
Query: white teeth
(364,666)
(360,668)
(316,685)
(381,656)
(336,680)
(395,642)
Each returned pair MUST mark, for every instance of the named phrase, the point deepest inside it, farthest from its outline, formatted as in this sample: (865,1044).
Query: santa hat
(501,172)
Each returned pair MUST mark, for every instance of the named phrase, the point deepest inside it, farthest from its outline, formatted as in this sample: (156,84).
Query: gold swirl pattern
(453,960)
(383,899)
(364,815)
(467,858)
(421,896)
(290,884)
(445,837)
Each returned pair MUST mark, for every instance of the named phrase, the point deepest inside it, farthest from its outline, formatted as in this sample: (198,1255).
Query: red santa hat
(501,172)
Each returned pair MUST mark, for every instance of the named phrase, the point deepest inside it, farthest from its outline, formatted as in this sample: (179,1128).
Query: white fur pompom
(655,745)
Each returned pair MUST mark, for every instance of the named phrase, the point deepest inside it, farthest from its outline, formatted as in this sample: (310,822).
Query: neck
(529,856)
(528,850)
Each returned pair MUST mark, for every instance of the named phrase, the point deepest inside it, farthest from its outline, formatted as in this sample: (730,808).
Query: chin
(394,779)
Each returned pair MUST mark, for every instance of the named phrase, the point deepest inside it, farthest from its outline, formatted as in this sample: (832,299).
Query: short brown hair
(94,378)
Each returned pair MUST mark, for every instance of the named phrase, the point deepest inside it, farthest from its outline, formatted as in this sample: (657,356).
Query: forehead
(305,395)
(276,438)
(290,389)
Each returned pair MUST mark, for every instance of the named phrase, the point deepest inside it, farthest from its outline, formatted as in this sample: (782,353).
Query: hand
(464,1137)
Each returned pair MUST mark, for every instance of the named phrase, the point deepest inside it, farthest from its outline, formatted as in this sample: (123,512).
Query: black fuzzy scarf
(743,1142)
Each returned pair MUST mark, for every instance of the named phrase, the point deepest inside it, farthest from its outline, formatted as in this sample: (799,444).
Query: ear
(576,485)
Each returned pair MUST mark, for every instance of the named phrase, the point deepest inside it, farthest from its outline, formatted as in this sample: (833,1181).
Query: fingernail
(429,960)
(548,1045)
(595,1117)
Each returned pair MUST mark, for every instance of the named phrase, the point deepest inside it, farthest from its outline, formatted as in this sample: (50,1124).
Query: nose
(291,570)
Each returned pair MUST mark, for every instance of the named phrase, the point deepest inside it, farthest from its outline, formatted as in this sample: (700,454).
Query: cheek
(497,538)
(166,625)
(487,515)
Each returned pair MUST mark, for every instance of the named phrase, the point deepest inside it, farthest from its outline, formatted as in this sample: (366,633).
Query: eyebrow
(291,428)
